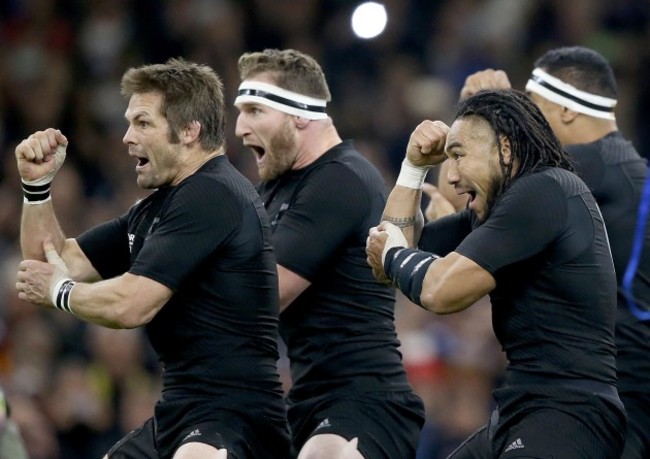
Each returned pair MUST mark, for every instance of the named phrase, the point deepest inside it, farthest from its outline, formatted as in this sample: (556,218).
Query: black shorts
(230,433)
(387,424)
(637,438)
(542,423)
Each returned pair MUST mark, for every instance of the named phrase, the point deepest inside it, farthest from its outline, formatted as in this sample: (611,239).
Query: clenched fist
(484,79)
(40,156)
(426,146)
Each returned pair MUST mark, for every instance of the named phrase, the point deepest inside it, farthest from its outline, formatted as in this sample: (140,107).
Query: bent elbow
(126,317)
(439,302)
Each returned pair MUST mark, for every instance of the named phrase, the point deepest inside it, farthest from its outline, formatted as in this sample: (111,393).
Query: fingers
(429,136)
(438,207)
(427,143)
(484,79)
(430,189)
(40,146)
(52,255)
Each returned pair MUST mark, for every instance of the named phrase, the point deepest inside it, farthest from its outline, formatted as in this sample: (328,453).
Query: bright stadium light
(369,20)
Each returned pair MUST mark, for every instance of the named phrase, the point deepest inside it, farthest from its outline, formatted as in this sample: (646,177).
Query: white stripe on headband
(281,99)
(569,96)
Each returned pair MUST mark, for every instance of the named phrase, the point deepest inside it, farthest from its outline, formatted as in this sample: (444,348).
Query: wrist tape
(407,268)
(61,294)
(411,176)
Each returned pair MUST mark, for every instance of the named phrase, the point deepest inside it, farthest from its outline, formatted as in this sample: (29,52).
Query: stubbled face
(270,134)
(149,142)
(474,168)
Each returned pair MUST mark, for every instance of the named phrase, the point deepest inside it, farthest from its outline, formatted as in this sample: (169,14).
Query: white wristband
(411,176)
(60,294)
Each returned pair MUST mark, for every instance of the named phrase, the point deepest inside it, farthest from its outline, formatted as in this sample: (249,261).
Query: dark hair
(513,114)
(581,67)
(292,70)
(191,92)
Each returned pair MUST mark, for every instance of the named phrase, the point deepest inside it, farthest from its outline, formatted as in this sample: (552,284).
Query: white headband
(281,99)
(569,96)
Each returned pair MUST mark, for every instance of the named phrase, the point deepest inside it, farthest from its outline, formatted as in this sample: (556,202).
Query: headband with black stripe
(280,99)
(559,92)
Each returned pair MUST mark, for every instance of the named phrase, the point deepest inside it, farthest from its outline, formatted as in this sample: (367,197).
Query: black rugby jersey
(209,240)
(339,332)
(554,305)
(615,173)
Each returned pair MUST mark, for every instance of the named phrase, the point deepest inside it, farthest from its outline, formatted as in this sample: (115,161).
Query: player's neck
(316,144)
(195,162)
(591,129)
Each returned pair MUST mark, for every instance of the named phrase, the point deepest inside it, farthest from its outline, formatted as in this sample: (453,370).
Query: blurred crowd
(74,389)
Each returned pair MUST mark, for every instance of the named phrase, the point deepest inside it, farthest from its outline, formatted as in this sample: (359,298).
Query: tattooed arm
(438,284)
(403,210)
(426,149)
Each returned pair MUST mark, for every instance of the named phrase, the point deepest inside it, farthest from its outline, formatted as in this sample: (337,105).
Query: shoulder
(347,163)
(215,184)
(212,196)
(550,180)
(540,197)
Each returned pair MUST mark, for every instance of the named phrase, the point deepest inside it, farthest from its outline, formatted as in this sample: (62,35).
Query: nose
(128,137)
(241,127)
(453,176)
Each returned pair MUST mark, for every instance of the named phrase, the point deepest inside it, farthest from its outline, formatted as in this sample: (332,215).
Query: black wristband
(407,268)
(36,193)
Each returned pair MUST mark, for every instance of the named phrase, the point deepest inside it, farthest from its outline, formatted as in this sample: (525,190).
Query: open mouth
(259,152)
(142,162)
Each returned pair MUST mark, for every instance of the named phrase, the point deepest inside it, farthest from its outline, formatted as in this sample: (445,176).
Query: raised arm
(38,158)
(53,265)
(440,284)
(426,149)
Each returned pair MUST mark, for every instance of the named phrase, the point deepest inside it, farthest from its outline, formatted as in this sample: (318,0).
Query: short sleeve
(107,247)
(526,219)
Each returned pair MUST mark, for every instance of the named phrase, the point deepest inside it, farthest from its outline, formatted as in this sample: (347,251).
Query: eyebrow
(248,104)
(454,144)
(136,116)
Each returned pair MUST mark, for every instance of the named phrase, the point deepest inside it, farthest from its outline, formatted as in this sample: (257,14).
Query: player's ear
(504,143)
(191,132)
(567,115)
(301,122)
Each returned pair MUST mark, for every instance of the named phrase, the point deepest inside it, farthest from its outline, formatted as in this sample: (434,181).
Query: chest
(143,222)
(279,198)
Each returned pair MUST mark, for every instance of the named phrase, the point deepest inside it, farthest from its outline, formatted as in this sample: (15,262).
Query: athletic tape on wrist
(407,268)
(61,294)
(59,159)
(411,176)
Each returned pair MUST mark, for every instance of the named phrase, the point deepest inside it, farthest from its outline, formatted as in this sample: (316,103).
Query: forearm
(38,223)
(38,158)
(117,302)
(441,285)
(403,210)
